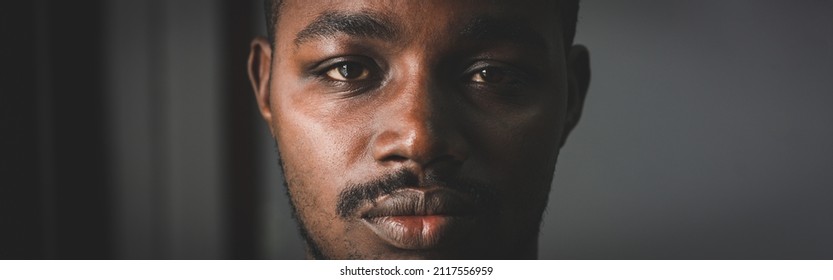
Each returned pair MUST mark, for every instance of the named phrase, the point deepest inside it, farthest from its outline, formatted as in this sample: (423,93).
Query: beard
(313,250)
(520,244)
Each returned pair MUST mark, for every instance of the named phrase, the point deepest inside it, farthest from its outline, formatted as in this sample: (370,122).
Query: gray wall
(706,134)
(164,86)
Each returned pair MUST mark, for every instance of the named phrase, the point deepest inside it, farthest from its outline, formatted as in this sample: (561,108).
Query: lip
(420,219)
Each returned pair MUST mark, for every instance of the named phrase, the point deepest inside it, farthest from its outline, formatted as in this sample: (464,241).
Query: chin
(471,248)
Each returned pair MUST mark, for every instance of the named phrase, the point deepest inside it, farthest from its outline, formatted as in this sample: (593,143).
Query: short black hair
(568,13)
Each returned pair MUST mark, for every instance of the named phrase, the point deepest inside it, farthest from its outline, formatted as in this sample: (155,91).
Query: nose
(420,125)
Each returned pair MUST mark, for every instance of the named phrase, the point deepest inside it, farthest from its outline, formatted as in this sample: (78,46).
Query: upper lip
(420,202)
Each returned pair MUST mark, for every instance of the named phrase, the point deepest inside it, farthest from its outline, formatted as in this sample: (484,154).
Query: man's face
(418,129)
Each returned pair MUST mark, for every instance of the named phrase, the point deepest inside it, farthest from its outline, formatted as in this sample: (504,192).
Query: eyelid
(322,67)
(318,73)
(514,71)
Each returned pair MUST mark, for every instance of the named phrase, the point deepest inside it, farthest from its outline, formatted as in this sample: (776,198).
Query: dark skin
(480,94)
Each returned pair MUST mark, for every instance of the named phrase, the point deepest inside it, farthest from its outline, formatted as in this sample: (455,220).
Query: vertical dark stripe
(45,127)
(158,123)
(21,230)
(239,144)
(58,199)
(80,196)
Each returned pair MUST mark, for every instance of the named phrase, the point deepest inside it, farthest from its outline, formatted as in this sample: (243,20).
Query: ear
(260,68)
(578,77)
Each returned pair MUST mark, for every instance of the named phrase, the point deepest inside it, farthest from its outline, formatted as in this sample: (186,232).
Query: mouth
(421,219)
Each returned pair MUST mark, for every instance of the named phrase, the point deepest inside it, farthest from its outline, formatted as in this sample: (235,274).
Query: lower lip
(419,232)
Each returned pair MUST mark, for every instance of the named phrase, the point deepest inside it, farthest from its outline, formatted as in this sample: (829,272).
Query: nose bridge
(419,106)
(419,126)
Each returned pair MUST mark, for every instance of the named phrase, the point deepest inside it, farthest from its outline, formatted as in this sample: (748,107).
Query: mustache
(483,195)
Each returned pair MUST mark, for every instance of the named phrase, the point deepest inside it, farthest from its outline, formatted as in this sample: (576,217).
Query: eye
(348,71)
(491,75)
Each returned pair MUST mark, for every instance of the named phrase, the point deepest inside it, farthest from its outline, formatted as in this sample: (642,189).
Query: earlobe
(578,64)
(260,67)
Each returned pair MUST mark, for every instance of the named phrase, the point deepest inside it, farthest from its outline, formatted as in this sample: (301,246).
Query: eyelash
(514,76)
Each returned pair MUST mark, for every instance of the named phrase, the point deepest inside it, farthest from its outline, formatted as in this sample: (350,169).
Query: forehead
(430,18)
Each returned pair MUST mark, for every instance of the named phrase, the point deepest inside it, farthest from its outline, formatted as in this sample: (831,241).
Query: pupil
(349,70)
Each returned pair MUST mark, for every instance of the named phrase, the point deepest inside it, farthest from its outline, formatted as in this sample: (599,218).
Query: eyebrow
(361,24)
(498,29)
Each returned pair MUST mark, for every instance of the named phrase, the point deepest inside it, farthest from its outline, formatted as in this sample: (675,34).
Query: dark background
(129,132)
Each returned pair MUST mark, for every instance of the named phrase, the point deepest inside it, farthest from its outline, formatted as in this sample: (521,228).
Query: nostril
(394,158)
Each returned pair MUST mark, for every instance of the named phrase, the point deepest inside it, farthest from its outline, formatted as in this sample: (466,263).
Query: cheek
(520,156)
(316,153)
(523,145)
(313,196)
